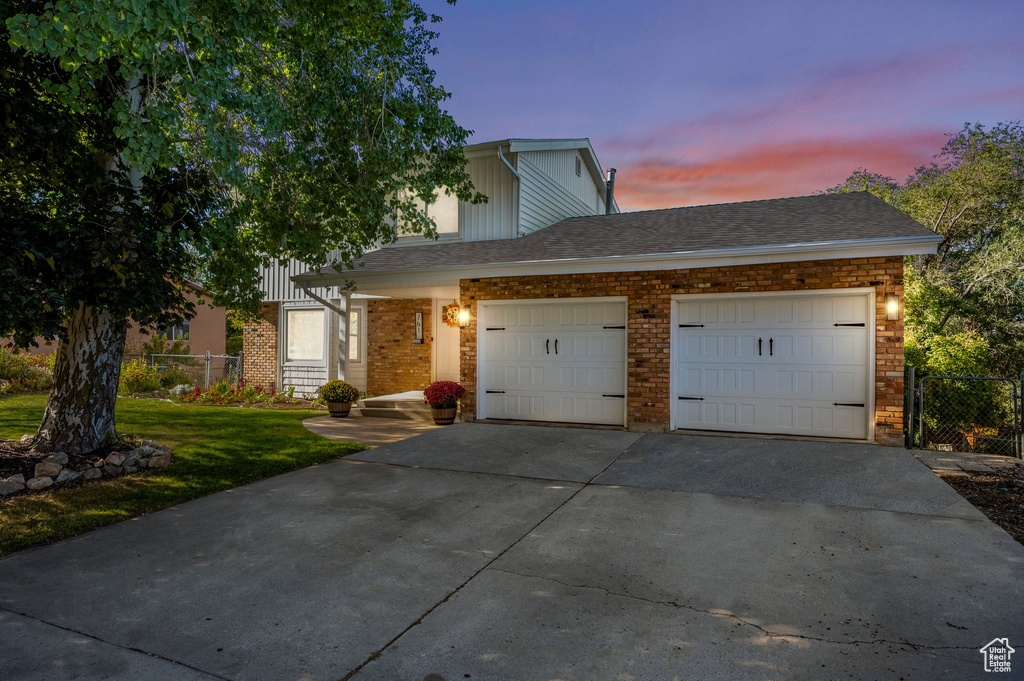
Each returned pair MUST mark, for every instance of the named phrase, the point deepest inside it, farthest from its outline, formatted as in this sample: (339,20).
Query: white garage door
(563,362)
(796,364)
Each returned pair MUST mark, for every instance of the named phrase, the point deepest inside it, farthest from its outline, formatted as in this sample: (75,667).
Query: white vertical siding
(543,201)
(496,218)
(276,282)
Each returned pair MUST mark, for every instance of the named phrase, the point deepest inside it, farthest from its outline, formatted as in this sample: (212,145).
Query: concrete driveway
(513,552)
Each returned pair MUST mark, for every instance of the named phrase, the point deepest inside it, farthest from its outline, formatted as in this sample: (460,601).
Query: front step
(394,409)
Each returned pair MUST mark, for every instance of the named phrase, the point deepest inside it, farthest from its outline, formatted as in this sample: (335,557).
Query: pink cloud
(769,170)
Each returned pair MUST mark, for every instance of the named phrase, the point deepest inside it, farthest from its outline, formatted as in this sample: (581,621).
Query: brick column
(259,348)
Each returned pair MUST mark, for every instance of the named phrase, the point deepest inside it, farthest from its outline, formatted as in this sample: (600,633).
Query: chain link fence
(199,370)
(980,414)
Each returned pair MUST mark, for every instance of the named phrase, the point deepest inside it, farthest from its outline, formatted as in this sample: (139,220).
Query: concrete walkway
(510,552)
(369,431)
(961,463)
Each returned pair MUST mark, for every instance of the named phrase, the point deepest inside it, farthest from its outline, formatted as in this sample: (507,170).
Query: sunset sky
(727,101)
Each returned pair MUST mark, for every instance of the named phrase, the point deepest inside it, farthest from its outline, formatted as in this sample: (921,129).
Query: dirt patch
(1000,496)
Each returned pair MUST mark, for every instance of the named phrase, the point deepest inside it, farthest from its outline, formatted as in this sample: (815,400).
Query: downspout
(325,303)
(515,197)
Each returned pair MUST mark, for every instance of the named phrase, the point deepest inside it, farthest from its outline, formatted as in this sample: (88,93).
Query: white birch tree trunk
(79,416)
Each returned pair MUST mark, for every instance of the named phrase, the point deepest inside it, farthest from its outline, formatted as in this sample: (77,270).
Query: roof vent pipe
(609,191)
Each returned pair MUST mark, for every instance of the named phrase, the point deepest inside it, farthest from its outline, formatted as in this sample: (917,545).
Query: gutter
(888,246)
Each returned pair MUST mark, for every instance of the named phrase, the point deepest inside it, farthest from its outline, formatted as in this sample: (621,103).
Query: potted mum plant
(443,398)
(339,397)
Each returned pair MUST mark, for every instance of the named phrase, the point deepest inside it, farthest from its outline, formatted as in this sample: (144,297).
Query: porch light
(892,307)
(463,317)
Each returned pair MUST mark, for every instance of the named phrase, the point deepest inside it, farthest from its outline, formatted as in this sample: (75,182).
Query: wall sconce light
(463,317)
(892,307)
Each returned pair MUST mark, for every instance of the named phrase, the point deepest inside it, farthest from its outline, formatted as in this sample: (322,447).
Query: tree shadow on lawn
(214,448)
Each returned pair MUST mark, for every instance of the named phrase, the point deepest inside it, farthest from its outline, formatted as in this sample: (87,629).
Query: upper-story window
(444,211)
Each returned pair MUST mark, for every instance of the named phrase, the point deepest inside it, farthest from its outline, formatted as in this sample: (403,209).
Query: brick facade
(259,348)
(394,363)
(649,326)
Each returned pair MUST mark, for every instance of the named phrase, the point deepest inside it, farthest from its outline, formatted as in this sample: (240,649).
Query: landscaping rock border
(54,470)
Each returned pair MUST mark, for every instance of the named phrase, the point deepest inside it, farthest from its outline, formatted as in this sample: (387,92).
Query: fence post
(920,415)
(911,394)
(240,374)
(1020,418)
(206,384)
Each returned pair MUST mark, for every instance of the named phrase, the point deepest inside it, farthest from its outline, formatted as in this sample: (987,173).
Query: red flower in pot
(443,398)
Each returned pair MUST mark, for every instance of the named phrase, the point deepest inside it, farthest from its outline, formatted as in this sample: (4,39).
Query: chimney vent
(609,192)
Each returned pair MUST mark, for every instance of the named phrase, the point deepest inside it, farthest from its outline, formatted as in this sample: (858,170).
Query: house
(302,342)
(778,316)
(206,331)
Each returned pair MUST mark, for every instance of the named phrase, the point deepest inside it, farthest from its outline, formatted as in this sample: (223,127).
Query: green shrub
(23,373)
(138,377)
(160,346)
(174,376)
(338,391)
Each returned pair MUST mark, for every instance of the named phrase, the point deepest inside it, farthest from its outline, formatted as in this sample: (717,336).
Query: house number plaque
(419,328)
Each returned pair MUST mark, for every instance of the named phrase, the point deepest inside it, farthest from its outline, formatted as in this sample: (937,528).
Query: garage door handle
(771,347)
(758,347)
(847,404)
(556,346)
(547,346)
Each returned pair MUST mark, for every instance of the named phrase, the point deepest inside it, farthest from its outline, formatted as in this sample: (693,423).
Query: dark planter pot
(339,410)
(444,416)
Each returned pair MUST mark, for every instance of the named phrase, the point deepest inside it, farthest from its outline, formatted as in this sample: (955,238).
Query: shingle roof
(825,218)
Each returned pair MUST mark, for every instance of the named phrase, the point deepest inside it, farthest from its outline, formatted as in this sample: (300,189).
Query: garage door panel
(587,346)
(700,346)
(806,365)
(717,382)
(815,419)
(822,382)
(719,414)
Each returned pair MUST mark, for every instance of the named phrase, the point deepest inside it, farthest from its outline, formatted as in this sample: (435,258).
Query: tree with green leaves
(964,304)
(150,142)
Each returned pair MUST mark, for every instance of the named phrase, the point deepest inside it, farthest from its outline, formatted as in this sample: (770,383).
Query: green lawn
(215,448)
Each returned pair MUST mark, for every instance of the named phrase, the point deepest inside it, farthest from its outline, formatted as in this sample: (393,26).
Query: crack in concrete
(582,486)
(133,649)
(766,632)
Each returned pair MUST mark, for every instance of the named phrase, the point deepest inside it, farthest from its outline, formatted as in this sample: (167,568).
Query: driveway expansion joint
(104,641)
(740,620)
